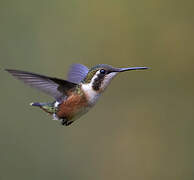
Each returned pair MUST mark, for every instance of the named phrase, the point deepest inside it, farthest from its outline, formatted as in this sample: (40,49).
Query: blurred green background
(142,128)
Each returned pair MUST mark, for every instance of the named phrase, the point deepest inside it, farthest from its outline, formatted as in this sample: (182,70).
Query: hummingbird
(76,95)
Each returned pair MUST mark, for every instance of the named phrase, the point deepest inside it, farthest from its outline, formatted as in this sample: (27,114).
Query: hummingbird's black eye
(102,71)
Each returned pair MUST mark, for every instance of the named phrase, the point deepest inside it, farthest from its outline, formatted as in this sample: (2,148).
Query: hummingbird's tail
(36,104)
(47,107)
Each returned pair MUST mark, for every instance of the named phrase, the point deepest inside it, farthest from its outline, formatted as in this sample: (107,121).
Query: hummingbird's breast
(73,107)
(77,102)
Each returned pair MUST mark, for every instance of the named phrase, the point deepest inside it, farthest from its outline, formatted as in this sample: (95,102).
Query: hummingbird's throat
(96,86)
(91,94)
(100,83)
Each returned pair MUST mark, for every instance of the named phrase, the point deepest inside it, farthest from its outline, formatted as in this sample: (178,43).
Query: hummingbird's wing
(77,73)
(55,87)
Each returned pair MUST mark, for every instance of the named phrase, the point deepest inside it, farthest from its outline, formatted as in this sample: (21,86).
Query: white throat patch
(92,94)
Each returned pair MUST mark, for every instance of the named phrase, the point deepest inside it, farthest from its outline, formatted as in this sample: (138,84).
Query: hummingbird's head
(99,77)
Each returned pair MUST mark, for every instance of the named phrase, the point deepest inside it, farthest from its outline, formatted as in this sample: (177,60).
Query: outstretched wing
(77,73)
(52,86)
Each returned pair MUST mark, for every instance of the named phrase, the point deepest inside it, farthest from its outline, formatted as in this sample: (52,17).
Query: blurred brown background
(142,128)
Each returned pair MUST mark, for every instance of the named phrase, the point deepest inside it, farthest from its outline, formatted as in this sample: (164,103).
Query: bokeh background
(142,127)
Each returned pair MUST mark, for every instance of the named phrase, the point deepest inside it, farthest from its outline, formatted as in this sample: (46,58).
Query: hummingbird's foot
(66,122)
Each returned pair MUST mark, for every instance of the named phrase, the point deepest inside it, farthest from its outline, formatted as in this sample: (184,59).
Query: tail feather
(36,104)
(48,107)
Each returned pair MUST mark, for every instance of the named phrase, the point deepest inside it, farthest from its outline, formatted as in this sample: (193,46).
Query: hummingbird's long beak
(129,69)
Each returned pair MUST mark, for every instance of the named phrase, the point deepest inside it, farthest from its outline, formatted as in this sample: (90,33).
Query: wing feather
(55,87)
(77,73)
